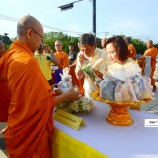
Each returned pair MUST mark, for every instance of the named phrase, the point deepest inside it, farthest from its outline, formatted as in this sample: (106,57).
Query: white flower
(81,105)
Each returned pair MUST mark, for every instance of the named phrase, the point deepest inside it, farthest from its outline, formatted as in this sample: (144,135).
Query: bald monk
(26,98)
(131,49)
(62,56)
(64,60)
(2,48)
(151,51)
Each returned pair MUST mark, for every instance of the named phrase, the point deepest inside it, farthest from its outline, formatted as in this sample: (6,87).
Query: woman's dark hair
(120,45)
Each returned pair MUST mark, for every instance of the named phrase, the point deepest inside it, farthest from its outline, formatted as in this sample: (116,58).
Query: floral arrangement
(83,105)
(88,70)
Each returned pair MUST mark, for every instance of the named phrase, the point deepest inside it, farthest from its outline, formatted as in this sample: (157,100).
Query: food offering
(123,89)
(119,114)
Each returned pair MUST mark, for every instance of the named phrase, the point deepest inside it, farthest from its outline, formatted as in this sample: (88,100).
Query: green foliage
(7,41)
(51,37)
(139,45)
(156,45)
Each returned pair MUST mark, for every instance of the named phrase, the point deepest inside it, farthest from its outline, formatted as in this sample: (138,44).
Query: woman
(122,80)
(117,52)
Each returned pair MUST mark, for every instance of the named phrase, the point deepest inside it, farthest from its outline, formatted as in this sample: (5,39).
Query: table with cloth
(99,139)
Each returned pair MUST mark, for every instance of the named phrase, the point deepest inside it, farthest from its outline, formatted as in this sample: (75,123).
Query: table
(134,141)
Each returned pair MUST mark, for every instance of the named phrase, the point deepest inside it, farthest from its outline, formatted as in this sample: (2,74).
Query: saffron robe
(131,51)
(64,62)
(27,102)
(153,52)
(64,59)
(75,81)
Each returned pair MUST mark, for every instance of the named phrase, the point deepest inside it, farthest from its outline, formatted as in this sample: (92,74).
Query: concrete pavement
(152,106)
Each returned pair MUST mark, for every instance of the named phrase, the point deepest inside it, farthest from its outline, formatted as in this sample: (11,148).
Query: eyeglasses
(34,32)
(38,34)
(58,45)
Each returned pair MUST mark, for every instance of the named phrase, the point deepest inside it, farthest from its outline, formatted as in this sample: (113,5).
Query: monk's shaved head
(58,45)
(30,31)
(149,44)
(58,42)
(150,41)
(26,23)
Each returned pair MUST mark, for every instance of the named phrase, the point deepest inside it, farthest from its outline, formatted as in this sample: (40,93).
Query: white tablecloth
(135,141)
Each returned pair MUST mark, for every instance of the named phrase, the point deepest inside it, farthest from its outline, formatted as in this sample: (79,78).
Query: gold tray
(119,115)
(96,96)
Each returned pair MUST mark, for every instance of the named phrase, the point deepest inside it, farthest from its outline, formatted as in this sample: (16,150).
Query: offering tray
(118,115)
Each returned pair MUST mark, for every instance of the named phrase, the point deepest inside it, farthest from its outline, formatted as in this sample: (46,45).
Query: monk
(131,49)
(62,56)
(2,48)
(64,61)
(153,52)
(26,98)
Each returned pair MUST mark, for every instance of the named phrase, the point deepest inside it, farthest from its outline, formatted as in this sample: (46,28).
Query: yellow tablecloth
(65,146)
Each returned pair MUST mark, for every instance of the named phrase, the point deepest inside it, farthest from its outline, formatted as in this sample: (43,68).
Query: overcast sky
(136,18)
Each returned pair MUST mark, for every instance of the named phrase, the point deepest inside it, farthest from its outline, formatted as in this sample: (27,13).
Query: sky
(136,18)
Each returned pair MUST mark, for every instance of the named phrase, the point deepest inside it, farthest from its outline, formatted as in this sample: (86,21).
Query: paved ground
(151,107)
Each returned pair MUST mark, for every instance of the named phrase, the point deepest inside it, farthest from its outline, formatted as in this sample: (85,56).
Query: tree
(7,41)
(139,45)
(51,37)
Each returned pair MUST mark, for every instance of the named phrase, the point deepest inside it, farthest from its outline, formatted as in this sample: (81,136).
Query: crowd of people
(27,97)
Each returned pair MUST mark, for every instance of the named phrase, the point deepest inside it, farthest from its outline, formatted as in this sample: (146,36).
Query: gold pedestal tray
(118,115)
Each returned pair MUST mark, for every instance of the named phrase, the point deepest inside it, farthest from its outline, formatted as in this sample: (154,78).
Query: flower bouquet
(83,105)
(88,70)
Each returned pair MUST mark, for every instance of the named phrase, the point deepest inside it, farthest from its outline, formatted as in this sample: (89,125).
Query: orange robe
(75,81)
(131,51)
(27,102)
(63,57)
(153,53)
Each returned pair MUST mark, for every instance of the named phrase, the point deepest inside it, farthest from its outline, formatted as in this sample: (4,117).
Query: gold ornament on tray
(118,115)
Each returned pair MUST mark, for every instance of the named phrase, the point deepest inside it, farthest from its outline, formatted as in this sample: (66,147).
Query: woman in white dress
(125,72)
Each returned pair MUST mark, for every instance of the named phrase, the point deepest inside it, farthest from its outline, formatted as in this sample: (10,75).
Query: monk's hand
(56,89)
(73,94)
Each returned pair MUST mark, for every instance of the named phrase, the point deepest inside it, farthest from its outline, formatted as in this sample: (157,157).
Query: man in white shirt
(92,56)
